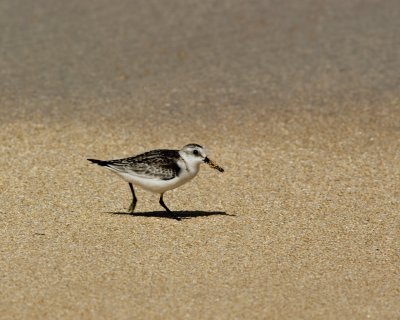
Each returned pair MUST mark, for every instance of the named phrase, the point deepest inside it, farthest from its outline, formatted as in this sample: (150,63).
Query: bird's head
(196,154)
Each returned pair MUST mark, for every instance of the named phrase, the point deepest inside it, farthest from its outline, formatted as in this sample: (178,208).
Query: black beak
(212,164)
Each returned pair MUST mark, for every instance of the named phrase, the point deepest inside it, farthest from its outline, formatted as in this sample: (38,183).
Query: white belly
(157,185)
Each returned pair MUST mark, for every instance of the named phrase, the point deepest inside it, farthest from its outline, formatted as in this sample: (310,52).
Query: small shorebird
(159,170)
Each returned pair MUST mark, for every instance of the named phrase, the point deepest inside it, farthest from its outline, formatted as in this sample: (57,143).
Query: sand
(297,100)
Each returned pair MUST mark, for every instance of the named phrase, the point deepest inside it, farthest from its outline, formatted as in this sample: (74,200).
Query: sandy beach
(297,100)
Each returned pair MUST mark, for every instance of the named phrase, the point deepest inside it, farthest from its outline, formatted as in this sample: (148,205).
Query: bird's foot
(173,215)
(132,208)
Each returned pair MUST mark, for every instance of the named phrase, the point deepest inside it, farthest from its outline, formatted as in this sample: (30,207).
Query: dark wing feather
(161,164)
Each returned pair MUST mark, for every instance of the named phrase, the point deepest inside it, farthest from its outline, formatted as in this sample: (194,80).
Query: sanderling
(159,170)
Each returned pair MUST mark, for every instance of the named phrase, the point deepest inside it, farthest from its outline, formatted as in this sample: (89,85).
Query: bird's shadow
(178,214)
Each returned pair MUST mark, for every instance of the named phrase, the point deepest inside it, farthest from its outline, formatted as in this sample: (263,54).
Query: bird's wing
(158,164)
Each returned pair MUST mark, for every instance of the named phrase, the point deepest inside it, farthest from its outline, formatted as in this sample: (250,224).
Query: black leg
(166,208)
(134,200)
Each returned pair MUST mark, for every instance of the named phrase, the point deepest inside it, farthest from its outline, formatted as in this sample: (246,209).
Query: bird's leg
(134,200)
(173,215)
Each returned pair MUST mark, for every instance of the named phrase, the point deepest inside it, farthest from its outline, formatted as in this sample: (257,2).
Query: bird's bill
(213,165)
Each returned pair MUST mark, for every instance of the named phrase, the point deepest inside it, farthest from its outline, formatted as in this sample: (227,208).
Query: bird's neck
(190,167)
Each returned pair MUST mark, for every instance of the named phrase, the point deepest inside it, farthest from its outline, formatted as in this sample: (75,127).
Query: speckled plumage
(156,164)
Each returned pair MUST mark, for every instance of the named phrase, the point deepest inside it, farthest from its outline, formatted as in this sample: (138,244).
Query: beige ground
(298,101)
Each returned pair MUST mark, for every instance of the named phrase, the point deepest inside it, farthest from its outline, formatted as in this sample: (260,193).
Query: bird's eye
(196,152)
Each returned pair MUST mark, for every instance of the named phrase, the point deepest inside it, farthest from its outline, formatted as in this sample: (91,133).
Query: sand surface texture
(297,100)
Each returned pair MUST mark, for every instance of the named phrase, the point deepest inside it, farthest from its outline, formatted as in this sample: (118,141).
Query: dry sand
(297,100)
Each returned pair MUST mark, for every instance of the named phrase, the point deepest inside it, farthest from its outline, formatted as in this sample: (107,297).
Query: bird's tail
(99,162)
